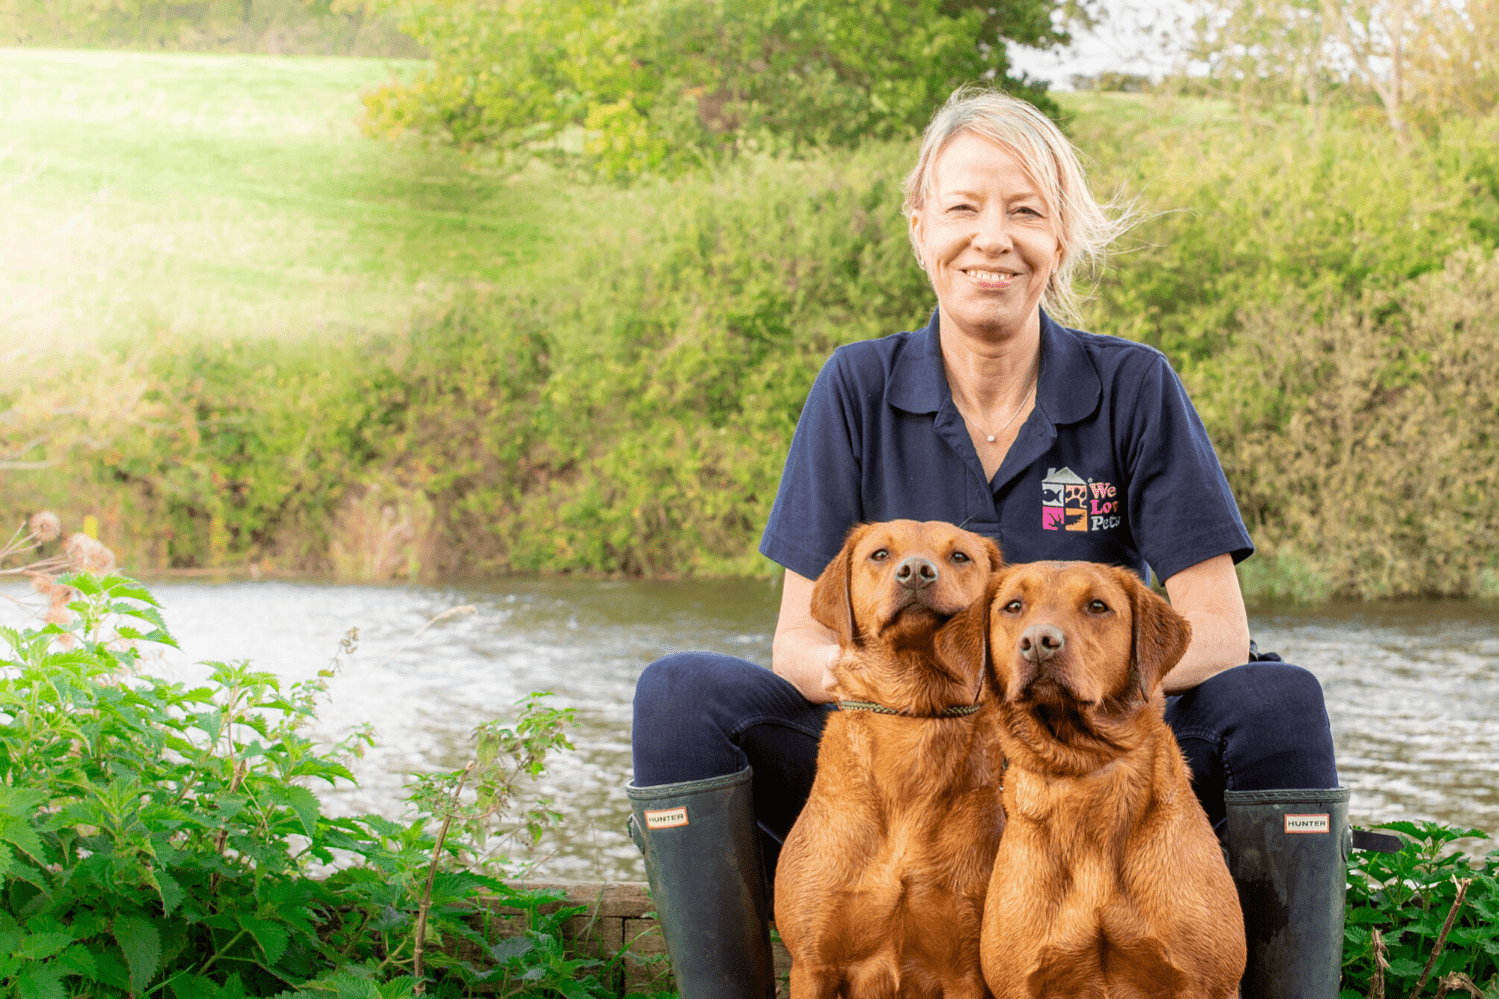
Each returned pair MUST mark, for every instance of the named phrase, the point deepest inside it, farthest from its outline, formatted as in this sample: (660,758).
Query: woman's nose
(991,232)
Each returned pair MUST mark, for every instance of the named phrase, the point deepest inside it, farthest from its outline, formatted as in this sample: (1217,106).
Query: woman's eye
(1098,607)
(880,554)
(961,557)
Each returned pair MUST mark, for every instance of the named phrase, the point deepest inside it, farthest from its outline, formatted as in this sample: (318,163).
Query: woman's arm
(803,649)
(1207,594)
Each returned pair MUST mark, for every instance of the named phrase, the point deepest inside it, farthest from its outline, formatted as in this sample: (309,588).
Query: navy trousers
(1260,726)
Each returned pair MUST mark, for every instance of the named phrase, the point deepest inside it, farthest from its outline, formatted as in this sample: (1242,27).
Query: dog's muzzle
(916,573)
(1040,642)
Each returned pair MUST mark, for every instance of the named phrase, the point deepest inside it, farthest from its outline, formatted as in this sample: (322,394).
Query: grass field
(229,195)
(226,195)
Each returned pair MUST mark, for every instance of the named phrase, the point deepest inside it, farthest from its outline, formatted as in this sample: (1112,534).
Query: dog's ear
(964,639)
(996,557)
(1161,634)
(832,597)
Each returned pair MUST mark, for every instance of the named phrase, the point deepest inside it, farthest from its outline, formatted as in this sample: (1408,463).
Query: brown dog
(1109,881)
(880,887)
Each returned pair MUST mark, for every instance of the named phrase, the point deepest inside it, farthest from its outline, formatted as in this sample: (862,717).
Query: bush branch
(421,912)
(1436,952)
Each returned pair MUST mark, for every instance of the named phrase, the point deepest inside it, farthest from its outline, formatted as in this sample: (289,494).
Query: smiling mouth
(997,279)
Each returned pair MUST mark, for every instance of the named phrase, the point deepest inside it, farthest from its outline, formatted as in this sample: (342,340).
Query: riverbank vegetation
(158,836)
(263,340)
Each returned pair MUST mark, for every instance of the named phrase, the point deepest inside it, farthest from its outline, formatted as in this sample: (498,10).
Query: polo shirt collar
(1068,391)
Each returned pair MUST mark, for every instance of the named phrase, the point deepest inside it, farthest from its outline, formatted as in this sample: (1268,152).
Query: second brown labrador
(880,886)
(1109,881)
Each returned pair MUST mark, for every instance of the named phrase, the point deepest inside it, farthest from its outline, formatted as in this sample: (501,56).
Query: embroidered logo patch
(1308,824)
(666,818)
(1070,502)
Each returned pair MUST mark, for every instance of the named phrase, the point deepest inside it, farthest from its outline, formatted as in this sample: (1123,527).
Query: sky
(1129,40)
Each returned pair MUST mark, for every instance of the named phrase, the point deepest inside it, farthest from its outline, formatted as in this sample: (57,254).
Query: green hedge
(1329,301)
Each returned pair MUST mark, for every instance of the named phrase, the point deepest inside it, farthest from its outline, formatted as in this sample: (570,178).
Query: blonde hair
(1085,228)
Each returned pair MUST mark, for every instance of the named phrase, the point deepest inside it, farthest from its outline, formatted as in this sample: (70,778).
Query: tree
(1443,55)
(650,85)
(1265,48)
(1454,64)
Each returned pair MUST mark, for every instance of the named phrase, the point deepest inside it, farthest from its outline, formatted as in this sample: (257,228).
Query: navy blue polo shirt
(1113,464)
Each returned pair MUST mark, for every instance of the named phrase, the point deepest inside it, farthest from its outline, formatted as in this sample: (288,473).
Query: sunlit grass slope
(228,195)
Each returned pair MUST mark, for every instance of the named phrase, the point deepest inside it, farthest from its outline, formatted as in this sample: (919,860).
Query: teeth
(988,276)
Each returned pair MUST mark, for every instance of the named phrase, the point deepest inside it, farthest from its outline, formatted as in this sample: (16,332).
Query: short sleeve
(1181,509)
(819,497)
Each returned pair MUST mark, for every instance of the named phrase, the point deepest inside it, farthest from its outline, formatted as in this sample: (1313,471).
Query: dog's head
(1078,648)
(888,594)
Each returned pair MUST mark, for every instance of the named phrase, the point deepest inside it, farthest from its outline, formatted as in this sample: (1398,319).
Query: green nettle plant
(1424,920)
(159,839)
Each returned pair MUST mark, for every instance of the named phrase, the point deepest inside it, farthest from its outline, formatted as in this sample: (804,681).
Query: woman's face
(987,239)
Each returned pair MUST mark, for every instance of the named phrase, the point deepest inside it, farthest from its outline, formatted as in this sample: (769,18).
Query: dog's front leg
(814,981)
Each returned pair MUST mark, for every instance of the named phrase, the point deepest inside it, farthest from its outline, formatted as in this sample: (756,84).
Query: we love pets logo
(1071,503)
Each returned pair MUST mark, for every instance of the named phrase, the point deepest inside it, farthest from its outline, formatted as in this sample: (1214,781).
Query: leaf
(397,988)
(139,940)
(573,990)
(272,937)
(1404,967)
(78,960)
(354,987)
(118,586)
(512,947)
(40,946)
(193,987)
(40,981)
(83,582)
(305,804)
(167,887)
(109,970)
(1364,915)
(19,833)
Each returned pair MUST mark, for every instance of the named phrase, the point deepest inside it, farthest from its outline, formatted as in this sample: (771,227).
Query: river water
(1412,688)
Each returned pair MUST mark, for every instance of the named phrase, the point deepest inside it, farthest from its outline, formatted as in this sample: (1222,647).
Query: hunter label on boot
(670,818)
(1301,823)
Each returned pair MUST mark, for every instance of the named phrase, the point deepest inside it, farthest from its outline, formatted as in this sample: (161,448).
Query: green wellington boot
(1287,852)
(702,855)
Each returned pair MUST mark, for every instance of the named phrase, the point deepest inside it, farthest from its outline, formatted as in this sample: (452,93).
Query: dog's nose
(916,573)
(1041,641)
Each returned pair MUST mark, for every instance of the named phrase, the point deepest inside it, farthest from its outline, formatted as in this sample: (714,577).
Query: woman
(1058,444)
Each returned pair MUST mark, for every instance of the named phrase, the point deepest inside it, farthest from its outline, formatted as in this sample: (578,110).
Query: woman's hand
(804,651)
(1207,594)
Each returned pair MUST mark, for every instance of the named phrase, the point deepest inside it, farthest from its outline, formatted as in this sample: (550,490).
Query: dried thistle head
(57,597)
(45,525)
(88,554)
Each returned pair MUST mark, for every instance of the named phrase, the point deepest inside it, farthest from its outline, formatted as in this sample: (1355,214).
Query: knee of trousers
(683,703)
(1274,725)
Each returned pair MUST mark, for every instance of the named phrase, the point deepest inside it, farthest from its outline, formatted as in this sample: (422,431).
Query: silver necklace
(1026,398)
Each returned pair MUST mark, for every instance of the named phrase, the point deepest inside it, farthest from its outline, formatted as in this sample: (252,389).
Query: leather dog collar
(951,711)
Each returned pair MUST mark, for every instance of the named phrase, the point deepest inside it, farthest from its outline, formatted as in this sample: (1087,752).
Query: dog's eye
(1098,607)
(880,554)
(961,557)
(1013,607)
